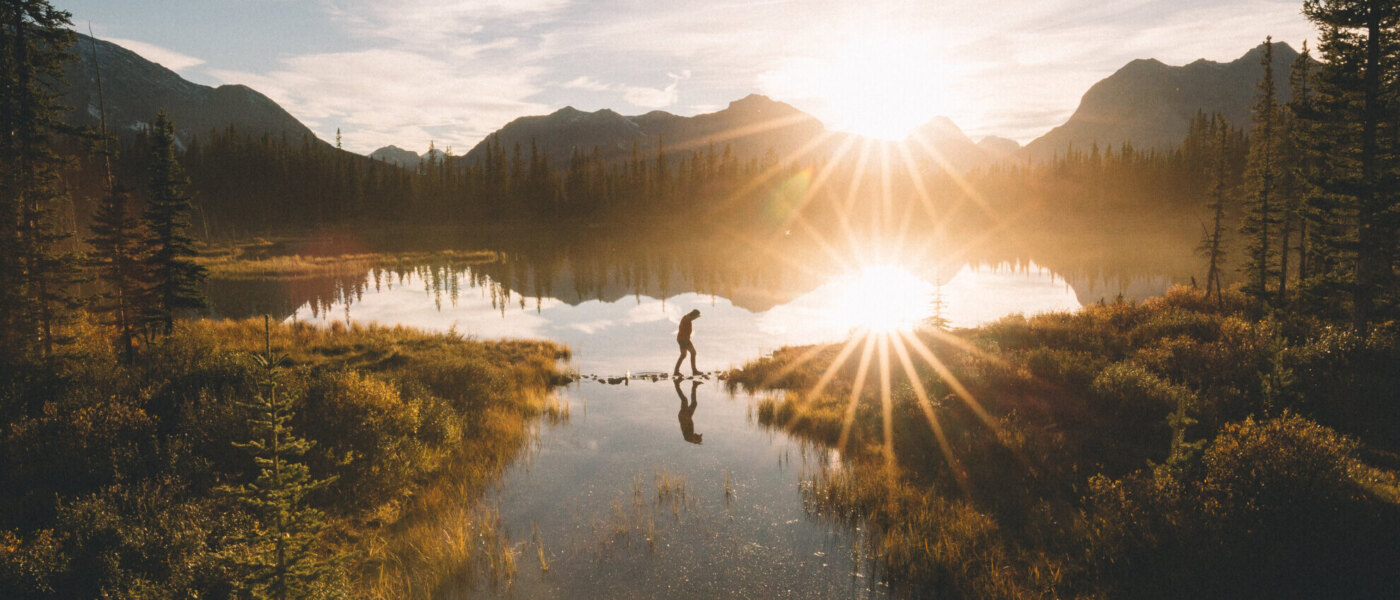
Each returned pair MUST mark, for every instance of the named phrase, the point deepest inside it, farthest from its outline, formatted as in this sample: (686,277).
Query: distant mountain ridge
(1146,103)
(135,89)
(1150,104)
(395,155)
(749,127)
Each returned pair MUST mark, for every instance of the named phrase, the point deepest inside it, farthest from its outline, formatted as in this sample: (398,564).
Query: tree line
(1319,209)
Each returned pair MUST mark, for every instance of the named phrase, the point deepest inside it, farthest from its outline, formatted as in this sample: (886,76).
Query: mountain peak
(942,128)
(136,88)
(396,155)
(1151,104)
(758,103)
(752,100)
(1281,50)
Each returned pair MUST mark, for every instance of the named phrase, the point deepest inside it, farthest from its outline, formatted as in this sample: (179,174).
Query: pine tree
(35,276)
(938,307)
(1355,128)
(283,562)
(1213,245)
(1301,167)
(1265,164)
(172,277)
(117,254)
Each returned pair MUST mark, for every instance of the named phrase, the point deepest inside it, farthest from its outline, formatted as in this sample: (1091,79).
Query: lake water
(623,504)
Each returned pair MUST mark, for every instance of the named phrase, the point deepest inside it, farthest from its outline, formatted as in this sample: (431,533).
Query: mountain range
(1151,104)
(135,89)
(1147,103)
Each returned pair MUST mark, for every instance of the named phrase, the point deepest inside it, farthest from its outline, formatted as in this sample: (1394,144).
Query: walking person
(683,338)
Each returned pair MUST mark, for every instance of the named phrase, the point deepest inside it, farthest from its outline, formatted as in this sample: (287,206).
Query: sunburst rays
(873,362)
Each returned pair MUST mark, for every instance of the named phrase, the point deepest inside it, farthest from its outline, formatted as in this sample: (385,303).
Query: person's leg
(677,371)
(693,370)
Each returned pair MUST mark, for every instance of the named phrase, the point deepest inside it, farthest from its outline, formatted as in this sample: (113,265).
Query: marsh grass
(633,516)
(414,426)
(255,263)
(1118,440)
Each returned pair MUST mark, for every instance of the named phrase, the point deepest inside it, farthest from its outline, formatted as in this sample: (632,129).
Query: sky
(407,72)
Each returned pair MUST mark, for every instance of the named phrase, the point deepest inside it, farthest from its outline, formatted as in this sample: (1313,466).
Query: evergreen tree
(938,307)
(284,562)
(172,277)
(1301,166)
(1265,165)
(35,275)
(1355,127)
(1213,245)
(117,254)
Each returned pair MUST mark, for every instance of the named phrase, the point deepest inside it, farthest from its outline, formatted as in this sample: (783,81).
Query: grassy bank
(116,477)
(1171,448)
(260,261)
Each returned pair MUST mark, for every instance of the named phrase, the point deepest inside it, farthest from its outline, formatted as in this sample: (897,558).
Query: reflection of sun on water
(880,299)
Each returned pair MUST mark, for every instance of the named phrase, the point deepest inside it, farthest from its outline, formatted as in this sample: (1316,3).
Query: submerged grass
(1171,448)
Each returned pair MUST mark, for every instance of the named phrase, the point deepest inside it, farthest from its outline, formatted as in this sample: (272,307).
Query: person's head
(694,314)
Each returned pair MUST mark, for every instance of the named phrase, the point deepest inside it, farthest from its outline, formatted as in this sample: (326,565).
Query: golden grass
(241,265)
(436,536)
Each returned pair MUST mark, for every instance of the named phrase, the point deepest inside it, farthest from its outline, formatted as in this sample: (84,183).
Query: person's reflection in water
(687,412)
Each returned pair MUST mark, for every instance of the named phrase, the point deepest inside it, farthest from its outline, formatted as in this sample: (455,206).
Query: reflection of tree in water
(752,274)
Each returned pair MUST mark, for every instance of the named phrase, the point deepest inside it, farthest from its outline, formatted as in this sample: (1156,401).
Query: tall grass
(247,264)
(1114,441)
(103,459)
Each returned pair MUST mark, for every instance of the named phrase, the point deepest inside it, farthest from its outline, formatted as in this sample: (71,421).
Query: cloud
(382,96)
(166,57)
(654,98)
(584,82)
(455,70)
(439,24)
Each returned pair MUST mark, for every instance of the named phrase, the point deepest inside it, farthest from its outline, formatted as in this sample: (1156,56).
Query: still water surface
(660,488)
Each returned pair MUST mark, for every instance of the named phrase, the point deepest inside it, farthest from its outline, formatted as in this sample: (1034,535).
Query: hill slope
(135,89)
(1151,104)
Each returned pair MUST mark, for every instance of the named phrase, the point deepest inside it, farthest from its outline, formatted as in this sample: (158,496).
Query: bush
(364,432)
(143,541)
(75,446)
(27,566)
(1275,508)
(1133,404)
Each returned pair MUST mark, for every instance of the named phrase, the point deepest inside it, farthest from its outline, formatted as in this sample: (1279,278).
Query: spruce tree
(35,275)
(1213,245)
(283,562)
(172,277)
(1355,128)
(117,242)
(1301,166)
(1265,166)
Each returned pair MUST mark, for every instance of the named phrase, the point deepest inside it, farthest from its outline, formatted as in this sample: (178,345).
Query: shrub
(1275,508)
(364,432)
(1133,403)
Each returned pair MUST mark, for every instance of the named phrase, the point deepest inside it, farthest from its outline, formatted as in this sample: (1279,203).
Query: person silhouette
(685,416)
(683,338)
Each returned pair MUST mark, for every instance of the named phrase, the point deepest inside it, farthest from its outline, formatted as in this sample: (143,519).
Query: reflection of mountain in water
(754,275)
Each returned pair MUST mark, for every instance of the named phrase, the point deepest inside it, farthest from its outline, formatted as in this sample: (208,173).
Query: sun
(881,299)
(877,84)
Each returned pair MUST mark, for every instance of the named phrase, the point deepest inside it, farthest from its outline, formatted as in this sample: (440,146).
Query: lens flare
(881,299)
